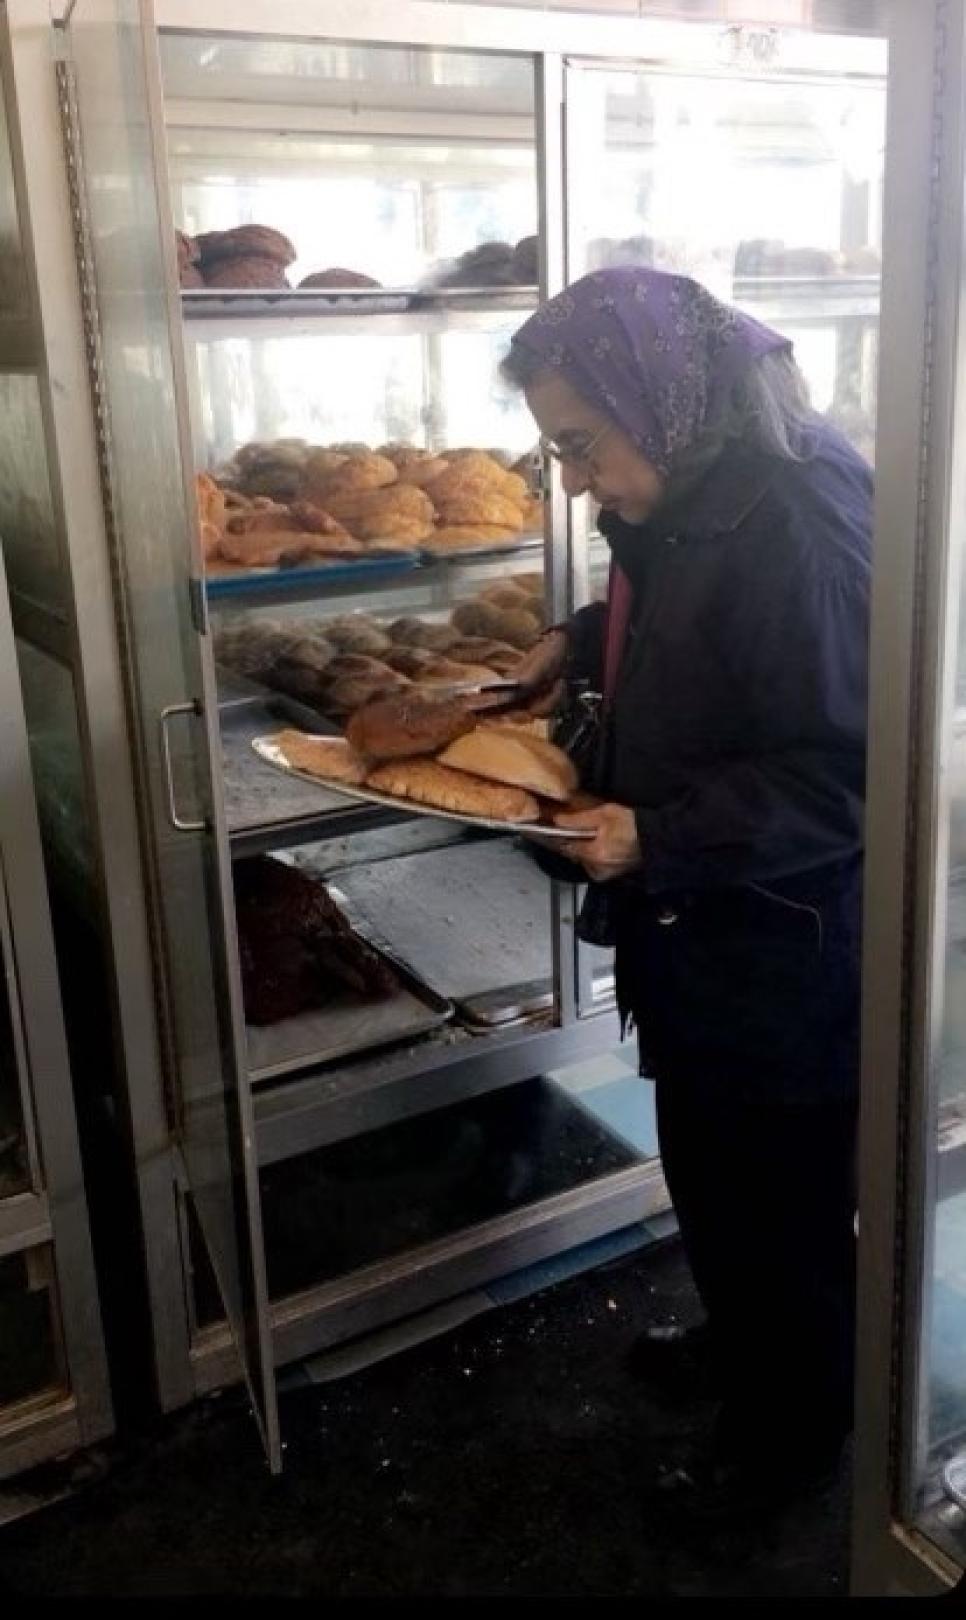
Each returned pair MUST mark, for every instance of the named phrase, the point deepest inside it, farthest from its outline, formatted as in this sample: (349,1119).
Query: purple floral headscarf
(658,352)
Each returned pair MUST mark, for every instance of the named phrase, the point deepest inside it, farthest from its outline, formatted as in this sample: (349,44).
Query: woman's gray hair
(769,407)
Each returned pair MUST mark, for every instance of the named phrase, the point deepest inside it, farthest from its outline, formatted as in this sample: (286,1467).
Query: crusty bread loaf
(404,726)
(502,755)
(330,758)
(426,781)
(518,626)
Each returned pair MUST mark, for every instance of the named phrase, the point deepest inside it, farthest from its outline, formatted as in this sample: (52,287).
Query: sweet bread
(252,270)
(417,633)
(331,758)
(360,471)
(421,470)
(336,277)
(476,504)
(408,660)
(441,787)
(354,691)
(212,506)
(407,724)
(515,625)
(245,241)
(354,633)
(520,760)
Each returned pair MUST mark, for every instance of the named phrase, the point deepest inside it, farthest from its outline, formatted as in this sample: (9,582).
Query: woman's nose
(574,480)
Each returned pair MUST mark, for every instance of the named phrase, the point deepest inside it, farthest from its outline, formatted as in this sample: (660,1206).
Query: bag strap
(620,600)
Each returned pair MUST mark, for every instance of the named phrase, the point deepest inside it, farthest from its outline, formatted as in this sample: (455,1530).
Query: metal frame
(326,1105)
(52,1217)
(917,524)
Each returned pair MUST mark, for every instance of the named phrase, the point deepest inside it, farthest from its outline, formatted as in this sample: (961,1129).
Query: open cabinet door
(111,95)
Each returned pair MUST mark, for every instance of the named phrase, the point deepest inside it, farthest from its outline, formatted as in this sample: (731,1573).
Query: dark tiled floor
(506,1458)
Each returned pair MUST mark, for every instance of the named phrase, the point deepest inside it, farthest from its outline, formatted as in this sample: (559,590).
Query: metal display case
(310,1181)
(910,1524)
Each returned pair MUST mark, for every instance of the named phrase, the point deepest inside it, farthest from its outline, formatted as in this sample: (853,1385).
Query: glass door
(759,173)
(113,83)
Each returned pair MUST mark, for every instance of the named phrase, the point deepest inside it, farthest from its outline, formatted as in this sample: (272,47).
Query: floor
(504,1457)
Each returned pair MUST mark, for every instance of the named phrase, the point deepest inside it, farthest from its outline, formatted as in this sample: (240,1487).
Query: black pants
(764,1196)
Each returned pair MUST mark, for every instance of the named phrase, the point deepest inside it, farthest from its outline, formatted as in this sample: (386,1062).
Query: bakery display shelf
(216,313)
(300,584)
(347,1024)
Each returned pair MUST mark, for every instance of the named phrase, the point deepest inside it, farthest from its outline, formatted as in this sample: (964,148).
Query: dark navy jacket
(737,734)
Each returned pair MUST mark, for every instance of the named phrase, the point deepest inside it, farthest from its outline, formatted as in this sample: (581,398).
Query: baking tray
(526,542)
(473,919)
(348,1024)
(514,297)
(268,582)
(267,750)
(201,303)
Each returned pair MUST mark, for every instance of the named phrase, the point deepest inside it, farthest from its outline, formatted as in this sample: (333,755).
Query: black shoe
(676,1360)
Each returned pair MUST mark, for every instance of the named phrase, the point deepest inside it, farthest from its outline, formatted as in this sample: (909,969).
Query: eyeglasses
(577,447)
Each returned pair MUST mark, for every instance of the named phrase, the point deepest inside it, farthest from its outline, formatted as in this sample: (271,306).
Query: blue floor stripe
(563,1266)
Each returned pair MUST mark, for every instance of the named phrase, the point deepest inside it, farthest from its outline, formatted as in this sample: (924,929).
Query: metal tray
(267,750)
(203,303)
(513,297)
(497,966)
(347,1024)
(526,542)
(269,582)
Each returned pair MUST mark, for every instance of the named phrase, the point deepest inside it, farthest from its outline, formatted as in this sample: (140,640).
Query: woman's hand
(613,851)
(540,673)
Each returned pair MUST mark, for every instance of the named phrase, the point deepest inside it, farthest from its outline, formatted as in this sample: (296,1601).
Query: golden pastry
(469,536)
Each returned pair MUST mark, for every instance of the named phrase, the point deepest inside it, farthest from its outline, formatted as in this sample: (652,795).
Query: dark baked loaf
(296,949)
(247,270)
(243,241)
(338,278)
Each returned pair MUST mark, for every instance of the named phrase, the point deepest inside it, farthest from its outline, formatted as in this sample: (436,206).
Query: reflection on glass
(768,192)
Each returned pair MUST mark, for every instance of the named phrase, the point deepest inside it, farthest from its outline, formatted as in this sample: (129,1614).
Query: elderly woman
(726,857)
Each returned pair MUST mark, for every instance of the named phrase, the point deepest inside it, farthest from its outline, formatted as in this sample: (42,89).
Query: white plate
(266,748)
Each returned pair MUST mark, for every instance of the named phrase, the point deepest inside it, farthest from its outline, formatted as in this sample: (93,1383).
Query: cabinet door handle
(168,713)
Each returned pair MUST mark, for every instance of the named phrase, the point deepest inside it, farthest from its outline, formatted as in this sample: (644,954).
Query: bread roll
(352,692)
(330,758)
(357,472)
(425,781)
(356,633)
(503,755)
(408,660)
(519,626)
(404,726)
(417,633)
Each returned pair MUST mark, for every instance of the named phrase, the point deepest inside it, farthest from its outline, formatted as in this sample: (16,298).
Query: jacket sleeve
(585,635)
(797,652)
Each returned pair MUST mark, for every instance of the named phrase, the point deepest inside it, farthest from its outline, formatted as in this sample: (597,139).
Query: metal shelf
(447,1066)
(214,314)
(285,587)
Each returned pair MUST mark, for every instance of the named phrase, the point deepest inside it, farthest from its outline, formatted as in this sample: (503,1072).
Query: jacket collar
(729,491)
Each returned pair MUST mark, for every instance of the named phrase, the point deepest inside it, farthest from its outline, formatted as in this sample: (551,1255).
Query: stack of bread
(399,497)
(337,665)
(248,257)
(435,751)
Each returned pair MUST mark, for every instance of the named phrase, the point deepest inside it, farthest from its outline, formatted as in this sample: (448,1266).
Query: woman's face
(612,471)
